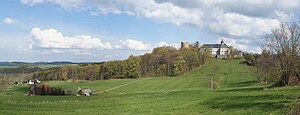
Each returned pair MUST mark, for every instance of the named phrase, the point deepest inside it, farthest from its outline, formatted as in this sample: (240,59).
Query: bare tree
(284,43)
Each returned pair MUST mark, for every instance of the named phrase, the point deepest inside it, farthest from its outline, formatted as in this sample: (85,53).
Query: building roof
(86,91)
(214,46)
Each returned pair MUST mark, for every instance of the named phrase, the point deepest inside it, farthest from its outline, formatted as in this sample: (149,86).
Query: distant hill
(30,67)
(56,63)
(12,63)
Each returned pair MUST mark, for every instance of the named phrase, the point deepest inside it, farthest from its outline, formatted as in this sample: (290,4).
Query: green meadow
(236,92)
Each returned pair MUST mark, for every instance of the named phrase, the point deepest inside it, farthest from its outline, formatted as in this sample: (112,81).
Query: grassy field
(238,93)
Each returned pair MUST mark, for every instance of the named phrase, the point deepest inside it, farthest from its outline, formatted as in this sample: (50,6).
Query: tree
(64,72)
(77,74)
(146,65)
(112,69)
(89,72)
(131,67)
(230,52)
(267,67)
(163,61)
(97,69)
(191,57)
(2,83)
(163,58)
(249,59)
(283,43)
(204,55)
(179,65)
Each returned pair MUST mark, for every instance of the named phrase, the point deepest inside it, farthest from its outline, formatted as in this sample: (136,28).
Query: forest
(163,61)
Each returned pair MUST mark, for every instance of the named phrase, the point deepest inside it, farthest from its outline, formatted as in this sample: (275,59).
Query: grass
(238,93)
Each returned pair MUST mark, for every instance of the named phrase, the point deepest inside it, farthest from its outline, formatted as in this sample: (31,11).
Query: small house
(34,81)
(30,82)
(84,92)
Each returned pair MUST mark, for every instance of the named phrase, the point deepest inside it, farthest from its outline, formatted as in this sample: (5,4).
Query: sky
(102,30)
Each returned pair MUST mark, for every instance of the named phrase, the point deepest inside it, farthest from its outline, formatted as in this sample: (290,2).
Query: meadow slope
(238,93)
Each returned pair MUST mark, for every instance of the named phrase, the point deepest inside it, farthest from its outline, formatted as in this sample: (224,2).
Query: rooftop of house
(214,46)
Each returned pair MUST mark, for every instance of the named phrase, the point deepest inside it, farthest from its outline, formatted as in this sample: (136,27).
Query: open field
(238,93)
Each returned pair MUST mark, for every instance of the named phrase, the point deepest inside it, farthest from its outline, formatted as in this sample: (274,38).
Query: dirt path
(122,85)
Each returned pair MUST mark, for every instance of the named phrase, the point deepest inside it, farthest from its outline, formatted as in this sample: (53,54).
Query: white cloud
(30,46)
(135,44)
(250,46)
(93,14)
(112,56)
(53,39)
(163,43)
(239,19)
(9,21)
(198,13)
(233,24)
(118,46)
(244,17)
(31,2)
(139,45)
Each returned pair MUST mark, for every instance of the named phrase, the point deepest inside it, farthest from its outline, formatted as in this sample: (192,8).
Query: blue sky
(100,30)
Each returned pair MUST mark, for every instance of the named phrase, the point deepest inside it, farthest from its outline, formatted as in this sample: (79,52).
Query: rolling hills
(236,92)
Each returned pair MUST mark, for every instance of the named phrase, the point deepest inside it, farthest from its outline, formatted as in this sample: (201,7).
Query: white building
(217,50)
(34,81)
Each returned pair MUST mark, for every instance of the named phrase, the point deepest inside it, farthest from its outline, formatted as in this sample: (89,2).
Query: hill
(236,92)
(55,63)
(15,68)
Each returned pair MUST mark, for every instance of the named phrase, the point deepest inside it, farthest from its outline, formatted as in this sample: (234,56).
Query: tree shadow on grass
(21,89)
(12,91)
(246,86)
(16,89)
(243,84)
(264,103)
(243,89)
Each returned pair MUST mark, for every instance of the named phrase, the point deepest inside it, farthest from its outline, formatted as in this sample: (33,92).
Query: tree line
(279,62)
(163,61)
(19,70)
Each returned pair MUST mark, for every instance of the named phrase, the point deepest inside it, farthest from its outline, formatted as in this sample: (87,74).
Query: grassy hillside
(238,93)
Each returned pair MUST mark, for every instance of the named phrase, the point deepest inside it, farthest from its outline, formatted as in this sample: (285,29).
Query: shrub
(47,90)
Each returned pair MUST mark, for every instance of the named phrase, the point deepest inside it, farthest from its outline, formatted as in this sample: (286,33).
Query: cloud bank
(51,41)
(237,20)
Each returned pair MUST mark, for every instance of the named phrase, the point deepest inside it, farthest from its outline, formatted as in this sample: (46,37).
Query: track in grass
(121,85)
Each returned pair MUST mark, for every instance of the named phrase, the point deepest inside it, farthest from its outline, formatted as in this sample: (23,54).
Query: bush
(47,90)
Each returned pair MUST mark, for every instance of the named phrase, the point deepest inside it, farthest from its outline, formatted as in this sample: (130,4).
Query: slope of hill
(237,93)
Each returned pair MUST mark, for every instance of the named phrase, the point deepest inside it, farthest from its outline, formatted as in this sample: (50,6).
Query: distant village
(222,50)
